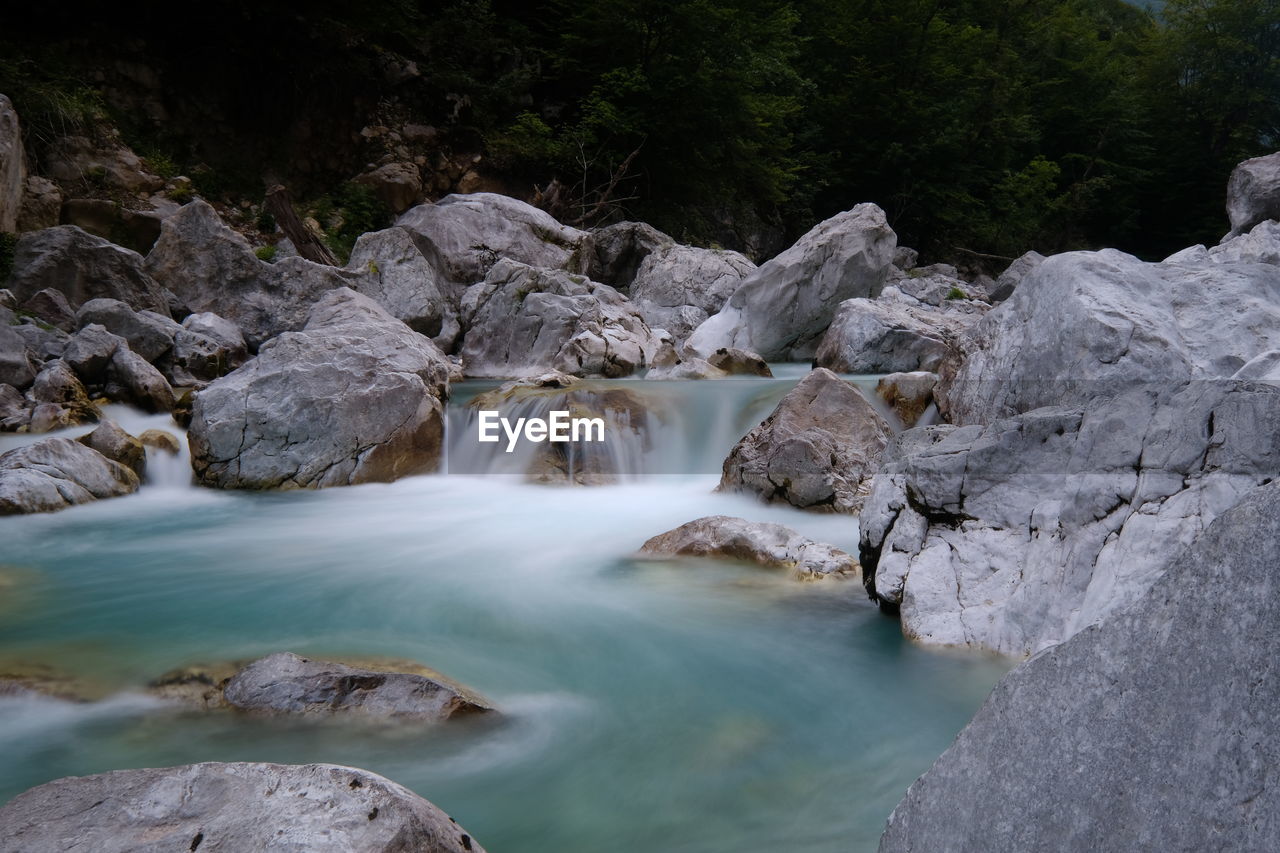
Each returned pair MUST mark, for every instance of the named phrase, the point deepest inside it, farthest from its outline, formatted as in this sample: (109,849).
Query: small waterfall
(651,426)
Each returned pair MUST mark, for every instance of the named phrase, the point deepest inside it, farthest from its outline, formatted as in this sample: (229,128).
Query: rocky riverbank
(1054,460)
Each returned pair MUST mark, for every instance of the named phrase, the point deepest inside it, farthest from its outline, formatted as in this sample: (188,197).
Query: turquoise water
(647,707)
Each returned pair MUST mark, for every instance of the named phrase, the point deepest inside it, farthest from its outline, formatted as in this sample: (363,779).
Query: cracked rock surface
(221,808)
(816,451)
(1152,731)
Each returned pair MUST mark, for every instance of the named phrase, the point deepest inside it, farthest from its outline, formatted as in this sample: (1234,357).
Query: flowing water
(689,707)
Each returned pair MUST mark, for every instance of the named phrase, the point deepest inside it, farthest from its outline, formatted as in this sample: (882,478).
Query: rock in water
(1015,536)
(13,167)
(472,232)
(116,444)
(816,451)
(83,267)
(284,683)
(1253,193)
(57,473)
(781,309)
(771,545)
(353,398)
(522,320)
(1153,731)
(908,394)
(319,808)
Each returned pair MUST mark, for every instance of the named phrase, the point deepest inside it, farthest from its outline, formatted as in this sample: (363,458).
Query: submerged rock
(908,394)
(285,683)
(1153,731)
(472,232)
(771,545)
(226,807)
(1015,536)
(56,473)
(781,309)
(82,267)
(522,320)
(817,450)
(353,398)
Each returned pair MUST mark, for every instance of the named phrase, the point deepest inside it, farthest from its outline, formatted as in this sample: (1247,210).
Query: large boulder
(677,287)
(391,269)
(56,473)
(149,334)
(1153,731)
(74,159)
(1253,193)
(57,384)
(473,231)
(773,546)
(1085,324)
(353,398)
(618,250)
(781,309)
(13,166)
(322,808)
(206,347)
(817,450)
(211,268)
(1013,275)
(1015,536)
(888,336)
(285,683)
(522,320)
(132,379)
(83,267)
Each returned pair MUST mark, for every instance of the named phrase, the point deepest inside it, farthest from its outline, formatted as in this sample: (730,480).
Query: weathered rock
(353,398)
(56,473)
(521,320)
(41,204)
(149,334)
(1014,274)
(211,268)
(15,411)
(116,444)
(781,309)
(7,299)
(1261,245)
(160,440)
(677,287)
(82,267)
(17,367)
(472,232)
(905,258)
(285,683)
(47,417)
(875,336)
(817,450)
(618,250)
(908,394)
(1122,738)
(936,286)
(1253,193)
(77,160)
(225,807)
(57,383)
(44,341)
(51,307)
(771,545)
(1085,324)
(89,352)
(398,185)
(670,363)
(392,270)
(13,166)
(132,379)
(134,229)
(1017,535)
(738,362)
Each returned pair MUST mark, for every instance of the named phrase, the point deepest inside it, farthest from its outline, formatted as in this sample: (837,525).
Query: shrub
(266,253)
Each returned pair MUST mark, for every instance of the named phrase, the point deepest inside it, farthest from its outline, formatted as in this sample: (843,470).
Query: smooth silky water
(690,707)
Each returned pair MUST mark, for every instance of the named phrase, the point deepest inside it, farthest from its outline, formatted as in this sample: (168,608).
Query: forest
(982,127)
